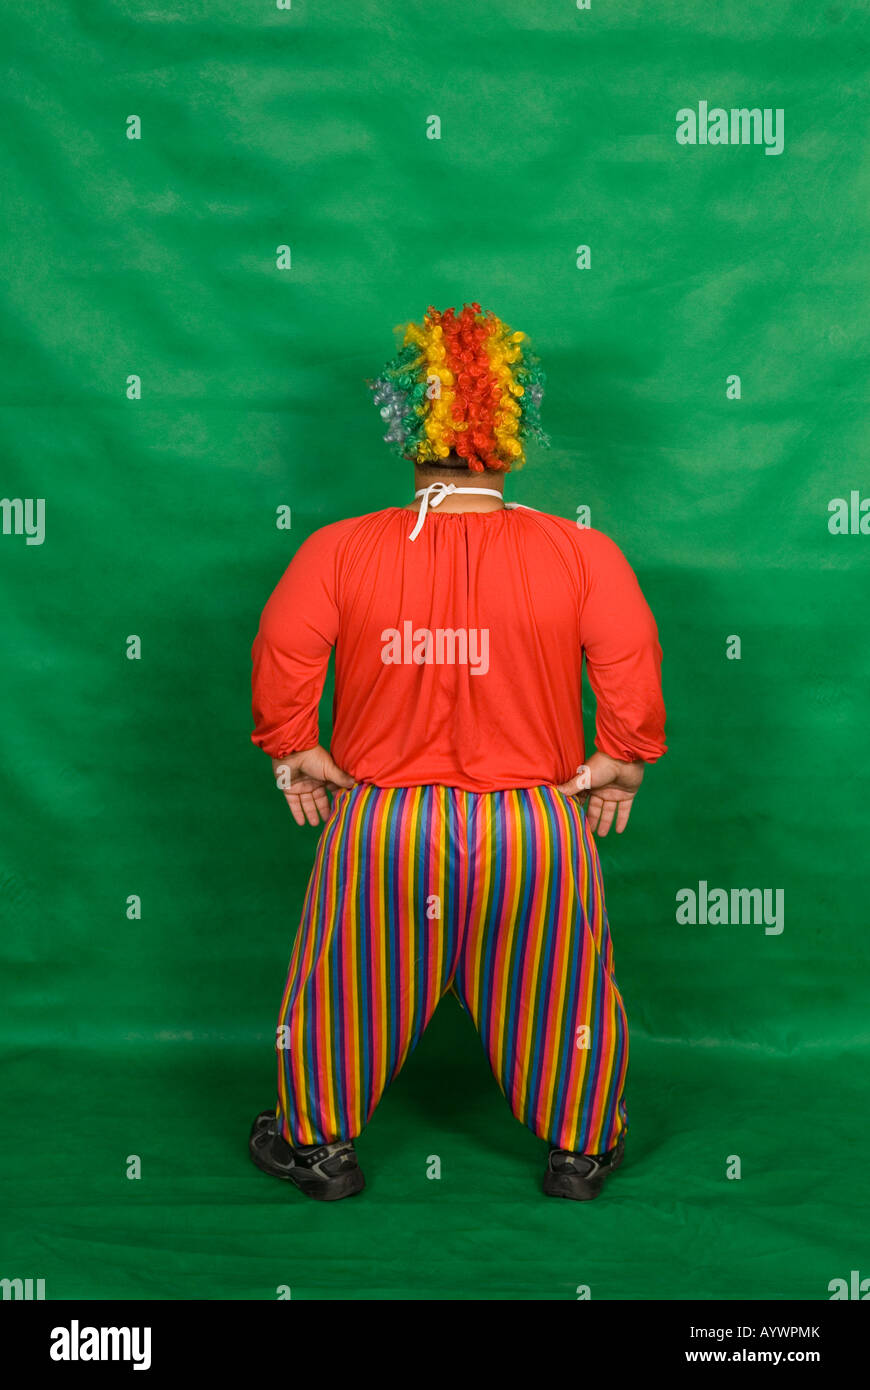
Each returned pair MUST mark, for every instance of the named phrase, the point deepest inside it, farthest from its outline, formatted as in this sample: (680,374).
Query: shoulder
(593,547)
(597,545)
(331,538)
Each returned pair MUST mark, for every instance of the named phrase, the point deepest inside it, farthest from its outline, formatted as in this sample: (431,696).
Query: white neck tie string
(435,493)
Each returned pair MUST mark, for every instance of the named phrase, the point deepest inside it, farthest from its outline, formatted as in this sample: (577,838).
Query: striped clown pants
(496,895)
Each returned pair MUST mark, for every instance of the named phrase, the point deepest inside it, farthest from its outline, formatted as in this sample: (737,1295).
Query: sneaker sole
(577,1188)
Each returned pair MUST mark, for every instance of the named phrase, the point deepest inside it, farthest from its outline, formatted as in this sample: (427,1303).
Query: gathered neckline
(436,511)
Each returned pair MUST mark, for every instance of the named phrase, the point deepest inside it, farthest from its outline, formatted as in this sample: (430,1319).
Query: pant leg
(371,959)
(536,968)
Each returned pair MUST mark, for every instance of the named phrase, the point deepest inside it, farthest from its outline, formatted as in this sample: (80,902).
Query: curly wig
(463,384)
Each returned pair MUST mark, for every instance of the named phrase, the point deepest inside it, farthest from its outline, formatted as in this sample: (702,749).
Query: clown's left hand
(306,778)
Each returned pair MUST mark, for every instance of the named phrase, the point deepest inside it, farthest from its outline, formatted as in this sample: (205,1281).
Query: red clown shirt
(458,654)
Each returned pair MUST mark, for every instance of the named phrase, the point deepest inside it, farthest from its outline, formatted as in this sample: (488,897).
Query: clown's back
(459,653)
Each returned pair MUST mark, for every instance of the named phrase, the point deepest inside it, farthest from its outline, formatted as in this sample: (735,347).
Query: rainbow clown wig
(462,384)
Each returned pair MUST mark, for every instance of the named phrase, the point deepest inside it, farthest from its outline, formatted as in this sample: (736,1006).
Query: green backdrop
(170,383)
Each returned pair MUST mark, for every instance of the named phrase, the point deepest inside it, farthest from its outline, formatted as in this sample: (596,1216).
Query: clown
(456,800)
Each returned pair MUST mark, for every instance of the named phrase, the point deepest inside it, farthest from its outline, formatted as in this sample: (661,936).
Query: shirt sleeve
(298,629)
(620,640)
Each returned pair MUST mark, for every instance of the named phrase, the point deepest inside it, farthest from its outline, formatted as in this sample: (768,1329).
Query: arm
(623,659)
(290,655)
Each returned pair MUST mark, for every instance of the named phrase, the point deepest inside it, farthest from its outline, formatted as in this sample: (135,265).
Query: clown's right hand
(610,786)
(306,778)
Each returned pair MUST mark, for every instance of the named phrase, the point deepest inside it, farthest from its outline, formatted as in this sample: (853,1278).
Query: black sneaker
(325,1172)
(580,1176)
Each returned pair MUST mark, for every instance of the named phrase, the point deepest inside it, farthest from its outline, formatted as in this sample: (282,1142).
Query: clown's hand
(306,778)
(610,787)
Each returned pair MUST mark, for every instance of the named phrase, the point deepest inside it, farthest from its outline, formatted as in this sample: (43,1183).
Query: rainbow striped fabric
(497,895)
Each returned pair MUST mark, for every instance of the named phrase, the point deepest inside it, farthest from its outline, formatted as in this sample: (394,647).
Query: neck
(460,477)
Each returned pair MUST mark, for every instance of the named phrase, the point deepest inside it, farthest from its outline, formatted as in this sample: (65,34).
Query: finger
(321,801)
(593,811)
(292,800)
(581,783)
(608,811)
(622,815)
(308,806)
(336,774)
